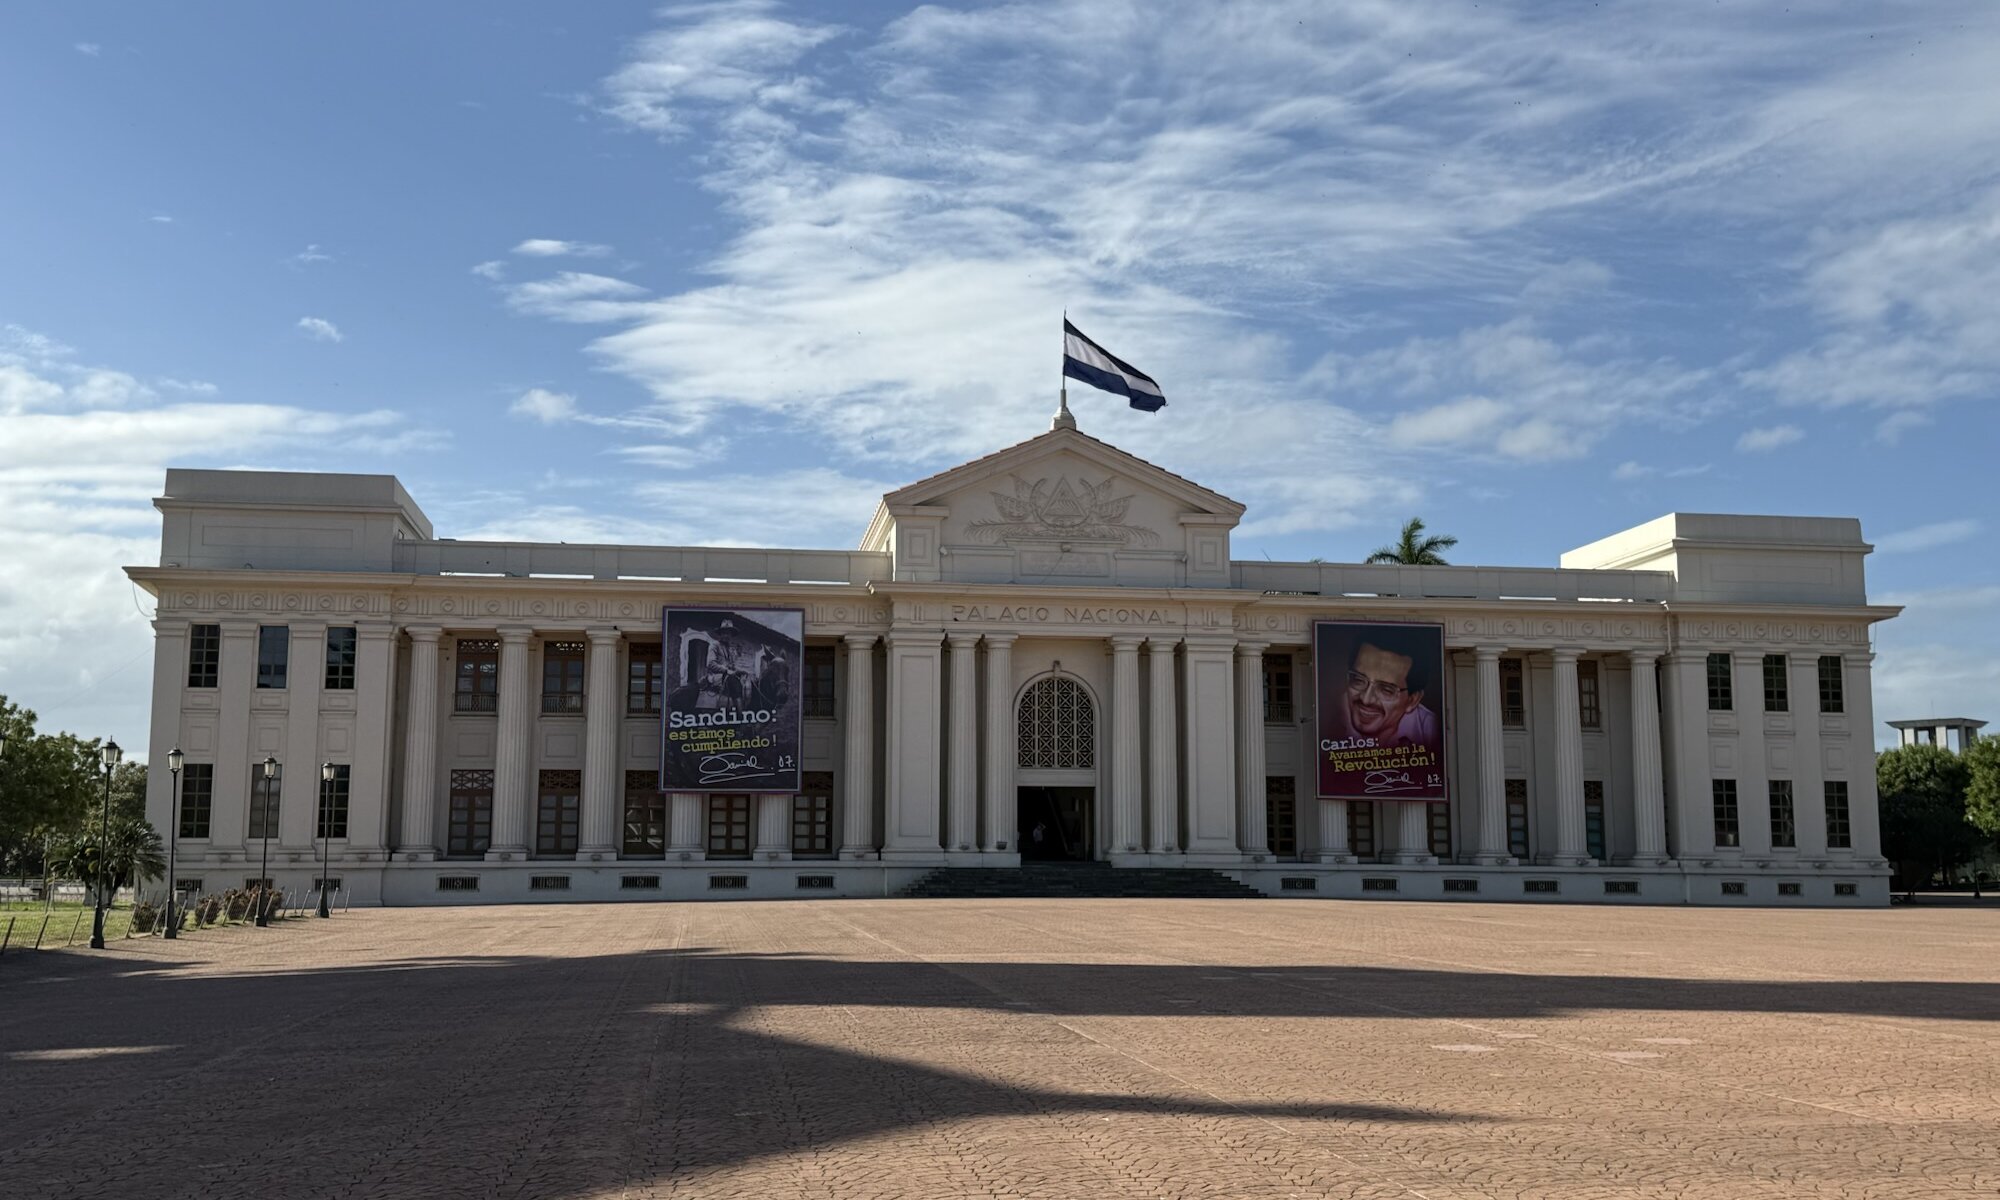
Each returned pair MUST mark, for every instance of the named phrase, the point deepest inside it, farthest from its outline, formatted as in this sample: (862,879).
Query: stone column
(913,746)
(962,752)
(1753,798)
(603,716)
(1001,819)
(1808,767)
(512,761)
(170,674)
(687,837)
(1413,832)
(1568,732)
(298,791)
(1492,765)
(1333,847)
(368,833)
(418,842)
(1163,788)
(1649,805)
(1128,787)
(1684,744)
(1253,837)
(857,789)
(1864,804)
(236,679)
(774,828)
(1210,747)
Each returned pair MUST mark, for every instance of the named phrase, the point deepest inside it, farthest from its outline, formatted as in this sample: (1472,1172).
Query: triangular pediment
(1061,504)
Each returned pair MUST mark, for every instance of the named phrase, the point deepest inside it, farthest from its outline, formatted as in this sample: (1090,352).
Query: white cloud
(1927,537)
(730,54)
(321,330)
(161,219)
(92,49)
(1453,423)
(552,248)
(310,255)
(192,387)
(1627,472)
(548,407)
(1757,441)
(1927,661)
(492,269)
(577,296)
(1891,429)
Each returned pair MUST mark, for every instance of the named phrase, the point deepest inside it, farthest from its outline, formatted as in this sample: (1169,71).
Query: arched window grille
(1056,725)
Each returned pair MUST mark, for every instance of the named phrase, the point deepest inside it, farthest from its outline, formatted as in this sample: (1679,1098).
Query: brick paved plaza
(1017,1048)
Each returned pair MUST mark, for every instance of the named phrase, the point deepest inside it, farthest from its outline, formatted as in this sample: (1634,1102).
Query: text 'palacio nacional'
(1044,654)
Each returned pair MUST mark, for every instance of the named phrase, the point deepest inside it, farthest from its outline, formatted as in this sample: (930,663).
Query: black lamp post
(264,872)
(174,760)
(110,754)
(326,773)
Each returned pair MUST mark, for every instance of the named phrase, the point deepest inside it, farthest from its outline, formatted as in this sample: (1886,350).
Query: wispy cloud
(160,219)
(492,268)
(553,248)
(320,329)
(540,404)
(91,49)
(1758,441)
(310,255)
(1928,537)
(1628,472)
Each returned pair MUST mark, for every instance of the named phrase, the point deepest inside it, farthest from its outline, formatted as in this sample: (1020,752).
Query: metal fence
(60,928)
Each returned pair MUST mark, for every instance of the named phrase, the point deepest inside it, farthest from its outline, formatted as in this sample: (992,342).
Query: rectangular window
(1784,828)
(1513,694)
(1721,691)
(1281,814)
(1440,829)
(274,650)
(264,802)
(557,805)
(1725,813)
(340,648)
(645,816)
(562,677)
(1832,697)
(645,678)
(197,798)
(471,828)
(1517,818)
(812,815)
(477,689)
(729,826)
(332,820)
(819,693)
(1839,834)
(1361,828)
(1278,687)
(204,655)
(1593,818)
(1588,706)
(1777,689)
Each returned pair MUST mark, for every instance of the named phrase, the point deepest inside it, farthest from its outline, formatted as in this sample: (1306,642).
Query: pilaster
(913,746)
(1001,825)
(603,717)
(1253,836)
(687,837)
(1162,749)
(299,791)
(418,842)
(1649,816)
(962,751)
(1567,720)
(1210,748)
(513,732)
(1128,786)
(1492,761)
(857,798)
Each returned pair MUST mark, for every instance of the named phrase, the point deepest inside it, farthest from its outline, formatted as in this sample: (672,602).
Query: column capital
(914,637)
(423,633)
(962,639)
(859,641)
(599,635)
(1486,653)
(1685,658)
(1126,643)
(1565,653)
(1001,641)
(1162,643)
(1251,649)
(515,633)
(172,626)
(1646,655)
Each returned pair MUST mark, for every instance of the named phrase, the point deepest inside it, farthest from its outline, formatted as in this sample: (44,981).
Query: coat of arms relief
(1062,512)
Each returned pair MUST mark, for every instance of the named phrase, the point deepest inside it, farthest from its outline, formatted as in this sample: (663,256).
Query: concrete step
(1081,880)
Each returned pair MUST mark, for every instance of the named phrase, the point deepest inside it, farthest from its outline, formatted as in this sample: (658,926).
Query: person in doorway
(1038,840)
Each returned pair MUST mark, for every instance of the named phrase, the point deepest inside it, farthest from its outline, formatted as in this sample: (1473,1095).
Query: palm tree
(1413,549)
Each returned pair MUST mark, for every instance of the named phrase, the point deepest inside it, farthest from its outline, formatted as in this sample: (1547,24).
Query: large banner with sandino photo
(732,720)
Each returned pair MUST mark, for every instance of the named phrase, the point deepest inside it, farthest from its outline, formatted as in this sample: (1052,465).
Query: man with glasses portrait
(1380,697)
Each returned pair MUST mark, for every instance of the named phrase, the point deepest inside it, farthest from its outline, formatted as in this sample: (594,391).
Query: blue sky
(724,273)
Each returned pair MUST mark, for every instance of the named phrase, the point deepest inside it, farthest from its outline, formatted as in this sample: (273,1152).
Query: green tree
(51,784)
(1982,790)
(1413,549)
(136,853)
(1924,825)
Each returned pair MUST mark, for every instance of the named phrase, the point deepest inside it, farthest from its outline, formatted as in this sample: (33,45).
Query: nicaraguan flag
(1088,362)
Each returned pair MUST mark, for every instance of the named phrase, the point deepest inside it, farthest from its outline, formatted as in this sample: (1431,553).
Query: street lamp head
(270,767)
(174,760)
(326,771)
(111,754)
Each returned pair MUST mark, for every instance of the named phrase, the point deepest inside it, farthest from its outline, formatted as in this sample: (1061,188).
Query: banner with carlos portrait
(1380,693)
(732,720)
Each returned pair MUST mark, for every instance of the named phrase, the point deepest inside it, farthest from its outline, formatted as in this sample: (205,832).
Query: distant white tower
(1937,731)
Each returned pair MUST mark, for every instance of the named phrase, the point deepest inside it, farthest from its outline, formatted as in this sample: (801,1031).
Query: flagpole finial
(1063,420)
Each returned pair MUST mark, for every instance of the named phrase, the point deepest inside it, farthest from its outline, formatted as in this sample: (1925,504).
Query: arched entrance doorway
(1056,770)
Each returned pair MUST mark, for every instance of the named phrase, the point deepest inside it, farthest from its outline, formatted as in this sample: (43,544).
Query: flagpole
(1063,418)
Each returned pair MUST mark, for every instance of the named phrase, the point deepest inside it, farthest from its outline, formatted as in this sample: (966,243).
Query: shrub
(144,916)
(236,903)
(207,911)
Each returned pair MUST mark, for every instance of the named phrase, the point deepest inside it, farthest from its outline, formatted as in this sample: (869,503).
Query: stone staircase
(1087,879)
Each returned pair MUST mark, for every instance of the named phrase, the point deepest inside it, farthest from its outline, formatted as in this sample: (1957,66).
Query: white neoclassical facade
(1050,644)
